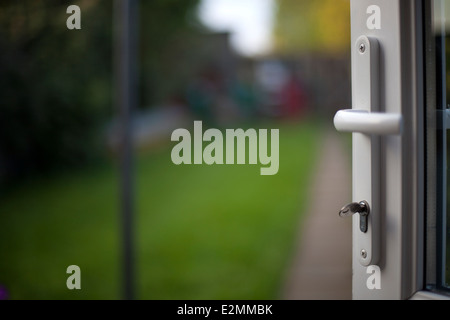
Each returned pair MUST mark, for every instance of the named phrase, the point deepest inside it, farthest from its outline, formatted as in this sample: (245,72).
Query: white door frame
(398,193)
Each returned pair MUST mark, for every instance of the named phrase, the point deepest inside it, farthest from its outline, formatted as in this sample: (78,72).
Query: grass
(202,232)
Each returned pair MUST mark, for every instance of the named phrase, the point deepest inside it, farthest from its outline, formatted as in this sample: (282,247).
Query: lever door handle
(367,123)
(363,121)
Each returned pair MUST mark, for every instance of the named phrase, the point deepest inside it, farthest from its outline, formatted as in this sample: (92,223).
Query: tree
(56,83)
(307,25)
(166,31)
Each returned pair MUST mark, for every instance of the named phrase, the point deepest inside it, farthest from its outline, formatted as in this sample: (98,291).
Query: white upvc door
(398,150)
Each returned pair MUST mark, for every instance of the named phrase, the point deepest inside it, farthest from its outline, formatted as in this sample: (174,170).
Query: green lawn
(203,232)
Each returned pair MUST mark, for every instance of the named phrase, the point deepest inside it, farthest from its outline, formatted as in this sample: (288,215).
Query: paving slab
(321,267)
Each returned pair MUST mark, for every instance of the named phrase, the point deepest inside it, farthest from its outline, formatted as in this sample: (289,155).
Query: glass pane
(442,33)
(446,229)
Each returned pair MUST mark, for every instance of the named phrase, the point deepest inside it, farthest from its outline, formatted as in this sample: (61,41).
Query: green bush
(56,84)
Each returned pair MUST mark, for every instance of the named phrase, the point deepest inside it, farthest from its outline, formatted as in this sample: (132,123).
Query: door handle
(363,121)
(367,124)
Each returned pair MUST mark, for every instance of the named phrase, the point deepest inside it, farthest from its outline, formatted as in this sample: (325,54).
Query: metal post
(125,18)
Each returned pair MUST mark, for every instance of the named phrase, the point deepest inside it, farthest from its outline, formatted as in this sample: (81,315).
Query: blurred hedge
(56,84)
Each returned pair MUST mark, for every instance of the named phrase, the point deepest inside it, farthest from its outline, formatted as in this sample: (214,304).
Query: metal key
(362,208)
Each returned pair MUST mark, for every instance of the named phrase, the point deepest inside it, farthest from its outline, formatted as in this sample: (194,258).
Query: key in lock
(362,208)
